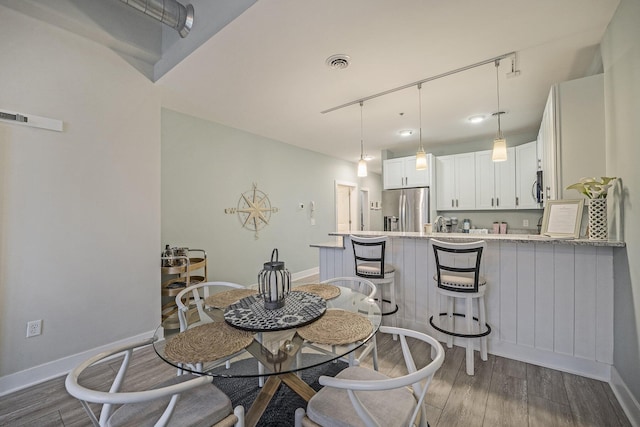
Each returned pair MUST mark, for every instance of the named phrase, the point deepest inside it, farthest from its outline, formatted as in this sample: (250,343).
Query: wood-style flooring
(502,392)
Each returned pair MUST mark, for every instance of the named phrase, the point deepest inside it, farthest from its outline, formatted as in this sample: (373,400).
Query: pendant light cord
(499,113)
(420,113)
(361,133)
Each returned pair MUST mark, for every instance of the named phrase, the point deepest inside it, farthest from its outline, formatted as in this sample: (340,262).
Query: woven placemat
(226,298)
(206,343)
(337,327)
(323,291)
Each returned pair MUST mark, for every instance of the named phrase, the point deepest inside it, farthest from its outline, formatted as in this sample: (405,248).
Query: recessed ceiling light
(406,132)
(368,157)
(477,119)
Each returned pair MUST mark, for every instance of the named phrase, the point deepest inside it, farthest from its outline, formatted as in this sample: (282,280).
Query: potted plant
(596,191)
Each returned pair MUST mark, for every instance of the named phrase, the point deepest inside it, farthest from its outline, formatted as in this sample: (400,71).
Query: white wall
(205,168)
(582,132)
(621,58)
(79,209)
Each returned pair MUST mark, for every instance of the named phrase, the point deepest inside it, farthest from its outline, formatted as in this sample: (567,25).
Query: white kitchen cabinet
(526,169)
(572,131)
(495,181)
(546,145)
(402,173)
(455,182)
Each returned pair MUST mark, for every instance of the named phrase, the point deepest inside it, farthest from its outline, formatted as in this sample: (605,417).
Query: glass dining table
(317,325)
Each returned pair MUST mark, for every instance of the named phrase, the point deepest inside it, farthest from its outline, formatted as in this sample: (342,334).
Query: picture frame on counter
(562,219)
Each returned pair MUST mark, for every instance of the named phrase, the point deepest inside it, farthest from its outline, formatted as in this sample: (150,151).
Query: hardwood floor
(502,392)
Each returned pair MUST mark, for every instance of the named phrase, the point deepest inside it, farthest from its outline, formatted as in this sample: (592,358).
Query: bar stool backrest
(458,265)
(368,253)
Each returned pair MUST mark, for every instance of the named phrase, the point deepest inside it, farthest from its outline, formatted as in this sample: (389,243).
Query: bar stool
(369,254)
(458,276)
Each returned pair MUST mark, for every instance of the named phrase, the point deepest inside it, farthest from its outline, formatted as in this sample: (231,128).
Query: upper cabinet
(571,137)
(472,181)
(526,176)
(546,148)
(402,173)
(495,181)
(456,187)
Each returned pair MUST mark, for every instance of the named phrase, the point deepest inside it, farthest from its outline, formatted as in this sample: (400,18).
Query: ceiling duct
(169,12)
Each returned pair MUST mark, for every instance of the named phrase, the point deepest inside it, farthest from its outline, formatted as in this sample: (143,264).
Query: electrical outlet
(34,328)
(525,222)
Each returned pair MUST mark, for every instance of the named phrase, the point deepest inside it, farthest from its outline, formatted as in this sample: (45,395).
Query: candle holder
(274,282)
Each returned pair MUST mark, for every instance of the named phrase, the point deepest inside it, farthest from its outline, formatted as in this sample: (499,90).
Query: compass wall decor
(254,210)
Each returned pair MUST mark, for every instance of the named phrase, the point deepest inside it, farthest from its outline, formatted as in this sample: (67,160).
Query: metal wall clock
(254,210)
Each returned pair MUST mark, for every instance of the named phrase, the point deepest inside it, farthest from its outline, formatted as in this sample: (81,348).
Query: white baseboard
(38,374)
(629,403)
(548,359)
(306,273)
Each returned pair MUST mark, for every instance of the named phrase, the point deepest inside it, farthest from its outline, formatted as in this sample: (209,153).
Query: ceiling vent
(169,12)
(338,62)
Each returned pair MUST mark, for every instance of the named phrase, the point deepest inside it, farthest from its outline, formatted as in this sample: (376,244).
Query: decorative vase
(598,229)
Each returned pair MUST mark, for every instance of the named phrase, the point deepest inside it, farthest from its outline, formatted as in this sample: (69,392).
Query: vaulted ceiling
(261,67)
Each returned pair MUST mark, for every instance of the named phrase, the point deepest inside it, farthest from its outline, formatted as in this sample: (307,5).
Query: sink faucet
(439,225)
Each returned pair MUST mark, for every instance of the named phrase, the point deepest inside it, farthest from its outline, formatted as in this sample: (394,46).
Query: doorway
(346,206)
(363,212)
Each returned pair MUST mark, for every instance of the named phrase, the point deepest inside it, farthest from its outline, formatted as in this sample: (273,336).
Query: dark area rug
(281,409)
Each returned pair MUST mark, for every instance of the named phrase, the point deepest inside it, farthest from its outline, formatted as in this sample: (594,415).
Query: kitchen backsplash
(516,220)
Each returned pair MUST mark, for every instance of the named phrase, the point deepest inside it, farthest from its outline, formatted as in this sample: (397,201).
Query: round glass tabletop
(279,351)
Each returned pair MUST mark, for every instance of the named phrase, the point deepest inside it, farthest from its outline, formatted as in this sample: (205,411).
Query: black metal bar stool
(458,276)
(369,256)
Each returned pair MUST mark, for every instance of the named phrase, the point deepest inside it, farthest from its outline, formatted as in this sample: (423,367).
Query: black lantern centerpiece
(274,282)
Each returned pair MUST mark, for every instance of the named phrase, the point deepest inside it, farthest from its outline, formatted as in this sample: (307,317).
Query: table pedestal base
(269,390)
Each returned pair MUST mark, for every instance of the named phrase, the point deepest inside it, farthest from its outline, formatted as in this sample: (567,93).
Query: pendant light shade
(421,156)
(499,143)
(421,160)
(362,168)
(362,164)
(499,150)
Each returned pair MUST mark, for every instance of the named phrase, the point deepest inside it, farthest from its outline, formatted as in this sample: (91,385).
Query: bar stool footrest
(387,313)
(455,334)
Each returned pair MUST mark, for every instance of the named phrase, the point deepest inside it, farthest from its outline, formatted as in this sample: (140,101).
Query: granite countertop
(335,243)
(507,238)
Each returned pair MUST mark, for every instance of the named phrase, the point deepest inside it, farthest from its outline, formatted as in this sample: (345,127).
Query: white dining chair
(183,400)
(194,296)
(367,288)
(353,397)
(191,296)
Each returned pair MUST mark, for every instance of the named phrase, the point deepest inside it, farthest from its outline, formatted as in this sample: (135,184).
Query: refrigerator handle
(401,211)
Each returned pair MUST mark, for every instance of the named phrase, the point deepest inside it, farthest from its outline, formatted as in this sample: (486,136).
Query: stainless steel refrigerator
(405,209)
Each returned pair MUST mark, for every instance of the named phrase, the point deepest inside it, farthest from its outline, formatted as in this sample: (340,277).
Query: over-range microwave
(539,187)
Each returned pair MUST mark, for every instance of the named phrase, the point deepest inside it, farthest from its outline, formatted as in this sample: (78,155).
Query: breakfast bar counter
(549,301)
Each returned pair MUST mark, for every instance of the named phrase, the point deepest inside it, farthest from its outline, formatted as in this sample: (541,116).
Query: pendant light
(499,143)
(362,164)
(421,156)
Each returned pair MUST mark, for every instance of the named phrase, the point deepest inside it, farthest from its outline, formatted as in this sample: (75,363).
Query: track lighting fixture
(499,143)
